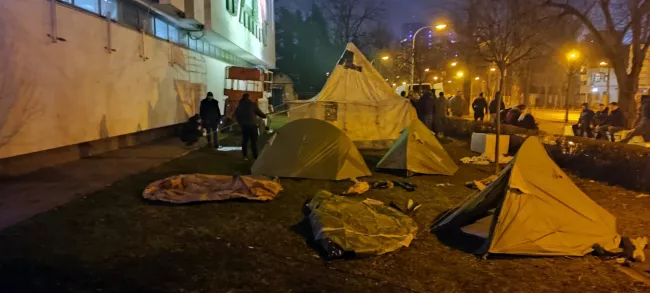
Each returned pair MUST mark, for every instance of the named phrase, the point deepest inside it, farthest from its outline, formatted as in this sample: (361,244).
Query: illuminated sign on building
(253,15)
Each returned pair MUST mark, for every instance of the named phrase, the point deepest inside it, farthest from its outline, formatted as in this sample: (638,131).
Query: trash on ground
(382,184)
(408,186)
(359,187)
(643,195)
(200,187)
(483,160)
(481,184)
(411,207)
(229,149)
(444,185)
(639,245)
(347,226)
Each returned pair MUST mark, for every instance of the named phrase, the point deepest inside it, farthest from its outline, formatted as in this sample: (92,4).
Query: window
(90,5)
(145,21)
(173,34)
(184,39)
(108,6)
(161,28)
(192,44)
(129,15)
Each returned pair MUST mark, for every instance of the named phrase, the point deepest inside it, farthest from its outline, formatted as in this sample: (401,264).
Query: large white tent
(358,100)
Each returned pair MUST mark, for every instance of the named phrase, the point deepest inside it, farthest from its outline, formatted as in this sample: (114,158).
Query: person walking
(426,108)
(493,107)
(480,107)
(643,127)
(211,117)
(584,122)
(440,116)
(245,114)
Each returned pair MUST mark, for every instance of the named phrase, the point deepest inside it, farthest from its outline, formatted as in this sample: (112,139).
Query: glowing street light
(460,74)
(449,81)
(384,58)
(394,84)
(404,83)
(453,64)
(477,78)
(426,70)
(438,27)
(603,63)
(573,55)
(493,69)
(435,78)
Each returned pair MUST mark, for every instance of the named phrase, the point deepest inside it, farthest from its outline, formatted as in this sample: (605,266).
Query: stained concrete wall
(74,91)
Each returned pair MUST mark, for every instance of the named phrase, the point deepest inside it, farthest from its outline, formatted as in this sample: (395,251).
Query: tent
(533,208)
(358,100)
(417,150)
(310,148)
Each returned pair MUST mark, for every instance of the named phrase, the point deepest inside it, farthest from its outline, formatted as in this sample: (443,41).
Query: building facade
(77,71)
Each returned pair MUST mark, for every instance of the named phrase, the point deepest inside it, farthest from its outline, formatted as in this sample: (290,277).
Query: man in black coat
(480,107)
(584,122)
(211,117)
(246,114)
(426,108)
(614,123)
(643,127)
(493,107)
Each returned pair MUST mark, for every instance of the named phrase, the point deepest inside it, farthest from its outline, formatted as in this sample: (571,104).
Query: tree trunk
(498,119)
(626,101)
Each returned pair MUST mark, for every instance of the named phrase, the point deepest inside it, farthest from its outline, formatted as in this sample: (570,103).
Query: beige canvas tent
(417,150)
(310,148)
(534,208)
(358,100)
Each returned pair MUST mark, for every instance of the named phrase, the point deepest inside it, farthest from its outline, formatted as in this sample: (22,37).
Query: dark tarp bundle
(346,225)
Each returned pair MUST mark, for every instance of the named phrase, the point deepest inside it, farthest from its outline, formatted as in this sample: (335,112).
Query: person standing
(456,104)
(480,108)
(211,117)
(493,107)
(246,114)
(584,122)
(643,127)
(440,117)
(426,108)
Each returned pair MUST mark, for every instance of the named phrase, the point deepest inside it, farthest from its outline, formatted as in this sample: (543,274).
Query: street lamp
(572,56)
(460,74)
(435,78)
(426,70)
(438,27)
(453,64)
(607,97)
(384,58)
(477,78)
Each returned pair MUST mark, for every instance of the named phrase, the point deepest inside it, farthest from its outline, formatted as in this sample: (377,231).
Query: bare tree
(612,23)
(507,32)
(351,20)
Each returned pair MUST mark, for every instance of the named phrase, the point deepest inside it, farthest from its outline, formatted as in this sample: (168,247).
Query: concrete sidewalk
(25,196)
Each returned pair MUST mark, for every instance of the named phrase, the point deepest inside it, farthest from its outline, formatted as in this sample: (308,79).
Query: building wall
(74,91)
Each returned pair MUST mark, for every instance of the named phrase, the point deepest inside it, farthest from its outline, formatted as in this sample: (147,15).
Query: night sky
(398,11)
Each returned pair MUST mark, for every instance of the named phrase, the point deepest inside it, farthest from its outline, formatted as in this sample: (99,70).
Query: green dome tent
(310,148)
(417,150)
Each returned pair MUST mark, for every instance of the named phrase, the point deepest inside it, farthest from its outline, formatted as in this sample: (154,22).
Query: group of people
(607,121)
(432,110)
(210,117)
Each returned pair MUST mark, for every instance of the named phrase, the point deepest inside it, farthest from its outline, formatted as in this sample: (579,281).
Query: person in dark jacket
(246,114)
(493,107)
(614,123)
(480,107)
(643,127)
(426,108)
(526,120)
(191,130)
(601,115)
(512,117)
(211,117)
(440,117)
(584,122)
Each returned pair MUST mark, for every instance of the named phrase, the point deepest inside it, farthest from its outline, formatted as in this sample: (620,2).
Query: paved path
(25,196)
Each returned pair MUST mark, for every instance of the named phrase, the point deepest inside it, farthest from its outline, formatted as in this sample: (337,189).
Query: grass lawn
(114,241)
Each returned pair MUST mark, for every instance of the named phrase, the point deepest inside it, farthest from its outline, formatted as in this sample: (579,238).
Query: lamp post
(384,58)
(571,57)
(438,27)
(608,97)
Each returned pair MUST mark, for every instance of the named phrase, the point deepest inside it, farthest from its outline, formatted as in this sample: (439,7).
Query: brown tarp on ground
(200,187)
